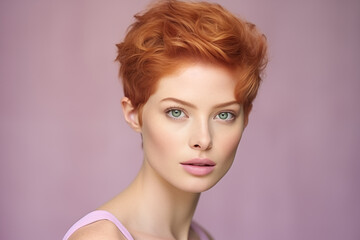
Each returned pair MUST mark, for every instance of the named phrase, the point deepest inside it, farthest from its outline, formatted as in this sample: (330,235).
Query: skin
(192,114)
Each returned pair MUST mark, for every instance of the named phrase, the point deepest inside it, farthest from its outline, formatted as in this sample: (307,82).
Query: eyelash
(183,112)
(170,109)
(232,117)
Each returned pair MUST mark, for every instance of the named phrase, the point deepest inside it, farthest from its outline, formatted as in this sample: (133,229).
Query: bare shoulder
(102,229)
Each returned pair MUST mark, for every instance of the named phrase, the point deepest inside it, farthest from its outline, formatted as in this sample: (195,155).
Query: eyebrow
(193,106)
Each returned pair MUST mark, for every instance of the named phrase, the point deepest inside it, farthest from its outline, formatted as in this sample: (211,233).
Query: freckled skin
(201,129)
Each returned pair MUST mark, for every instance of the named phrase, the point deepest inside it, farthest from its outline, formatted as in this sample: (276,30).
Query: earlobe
(130,114)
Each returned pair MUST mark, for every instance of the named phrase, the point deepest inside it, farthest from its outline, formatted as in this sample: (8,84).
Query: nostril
(197,146)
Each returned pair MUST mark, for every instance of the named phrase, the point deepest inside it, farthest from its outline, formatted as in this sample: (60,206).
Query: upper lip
(199,162)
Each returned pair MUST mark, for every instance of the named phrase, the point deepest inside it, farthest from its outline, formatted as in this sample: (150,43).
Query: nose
(201,137)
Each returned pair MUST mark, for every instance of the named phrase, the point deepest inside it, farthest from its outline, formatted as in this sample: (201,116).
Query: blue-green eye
(175,113)
(225,116)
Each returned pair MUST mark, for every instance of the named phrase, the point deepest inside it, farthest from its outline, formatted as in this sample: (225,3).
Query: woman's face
(192,126)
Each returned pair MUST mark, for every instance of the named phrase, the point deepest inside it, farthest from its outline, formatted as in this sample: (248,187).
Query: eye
(226,116)
(175,113)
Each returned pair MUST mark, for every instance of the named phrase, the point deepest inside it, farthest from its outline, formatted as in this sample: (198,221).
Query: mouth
(199,162)
(198,167)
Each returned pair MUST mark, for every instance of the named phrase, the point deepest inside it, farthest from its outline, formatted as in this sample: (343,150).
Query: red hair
(172,32)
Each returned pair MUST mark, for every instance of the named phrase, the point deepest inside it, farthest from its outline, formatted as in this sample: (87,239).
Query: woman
(190,72)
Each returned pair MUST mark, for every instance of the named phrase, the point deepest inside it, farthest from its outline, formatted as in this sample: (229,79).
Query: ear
(130,114)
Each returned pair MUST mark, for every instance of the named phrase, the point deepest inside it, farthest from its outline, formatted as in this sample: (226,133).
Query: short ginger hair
(172,32)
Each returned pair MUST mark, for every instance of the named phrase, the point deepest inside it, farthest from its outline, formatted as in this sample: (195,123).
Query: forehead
(196,80)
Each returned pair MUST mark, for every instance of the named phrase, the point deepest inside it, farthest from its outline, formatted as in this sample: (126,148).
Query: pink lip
(199,167)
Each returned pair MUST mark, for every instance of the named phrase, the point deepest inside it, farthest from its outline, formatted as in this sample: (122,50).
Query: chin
(198,185)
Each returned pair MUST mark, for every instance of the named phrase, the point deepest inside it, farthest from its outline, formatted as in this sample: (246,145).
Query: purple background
(65,148)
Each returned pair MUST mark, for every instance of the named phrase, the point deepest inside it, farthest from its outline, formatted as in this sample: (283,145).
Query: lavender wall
(65,149)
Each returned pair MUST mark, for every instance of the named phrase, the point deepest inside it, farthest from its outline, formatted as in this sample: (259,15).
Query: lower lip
(198,170)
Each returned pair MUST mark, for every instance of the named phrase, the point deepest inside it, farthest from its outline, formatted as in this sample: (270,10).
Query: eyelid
(233,113)
(167,111)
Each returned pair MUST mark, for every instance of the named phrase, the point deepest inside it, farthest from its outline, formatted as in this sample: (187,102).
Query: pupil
(176,113)
(223,115)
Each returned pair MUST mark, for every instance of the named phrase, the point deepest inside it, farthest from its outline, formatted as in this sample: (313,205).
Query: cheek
(153,139)
(229,143)
(158,139)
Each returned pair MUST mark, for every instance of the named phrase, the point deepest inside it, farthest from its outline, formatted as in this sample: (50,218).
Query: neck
(155,207)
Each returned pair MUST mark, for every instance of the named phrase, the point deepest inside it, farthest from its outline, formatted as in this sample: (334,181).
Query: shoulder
(201,231)
(207,233)
(102,229)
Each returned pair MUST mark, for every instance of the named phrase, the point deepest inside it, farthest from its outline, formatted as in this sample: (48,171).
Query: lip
(198,166)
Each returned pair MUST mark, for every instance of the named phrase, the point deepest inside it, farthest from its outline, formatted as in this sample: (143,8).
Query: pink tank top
(104,215)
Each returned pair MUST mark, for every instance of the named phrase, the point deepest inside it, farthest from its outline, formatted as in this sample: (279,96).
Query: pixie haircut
(172,33)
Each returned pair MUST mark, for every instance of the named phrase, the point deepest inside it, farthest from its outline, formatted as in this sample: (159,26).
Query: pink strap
(105,215)
(96,216)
